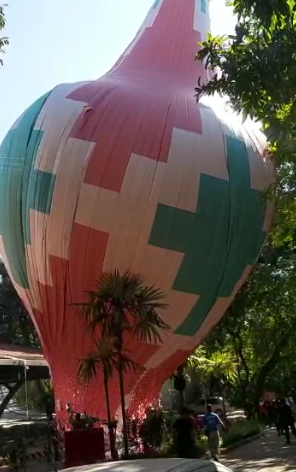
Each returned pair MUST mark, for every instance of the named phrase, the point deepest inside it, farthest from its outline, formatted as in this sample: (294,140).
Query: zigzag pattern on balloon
(127,172)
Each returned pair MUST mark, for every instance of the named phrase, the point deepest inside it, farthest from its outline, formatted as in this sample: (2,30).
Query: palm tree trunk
(122,399)
(119,344)
(110,427)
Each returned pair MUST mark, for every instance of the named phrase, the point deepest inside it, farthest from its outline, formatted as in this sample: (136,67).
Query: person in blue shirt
(211,424)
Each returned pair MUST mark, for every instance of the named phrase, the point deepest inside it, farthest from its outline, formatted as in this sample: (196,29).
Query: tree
(221,367)
(16,326)
(256,69)
(104,358)
(213,369)
(259,328)
(37,395)
(121,304)
(3,40)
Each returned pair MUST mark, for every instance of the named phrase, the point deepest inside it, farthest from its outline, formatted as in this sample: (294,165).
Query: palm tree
(122,303)
(196,361)
(220,365)
(223,366)
(104,357)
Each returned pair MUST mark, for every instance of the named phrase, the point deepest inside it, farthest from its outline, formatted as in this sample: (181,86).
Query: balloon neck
(167,41)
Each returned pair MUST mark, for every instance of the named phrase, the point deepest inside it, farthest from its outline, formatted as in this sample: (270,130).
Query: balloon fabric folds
(128,172)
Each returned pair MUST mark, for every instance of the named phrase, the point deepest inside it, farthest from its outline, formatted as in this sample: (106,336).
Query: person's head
(78,416)
(209,408)
(184,411)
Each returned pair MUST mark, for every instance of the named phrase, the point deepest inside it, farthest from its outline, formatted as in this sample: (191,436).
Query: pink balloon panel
(128,172)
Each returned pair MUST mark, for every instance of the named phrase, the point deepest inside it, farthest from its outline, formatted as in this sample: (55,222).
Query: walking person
(278,407)
(286,420)
(272,413)
(211,424)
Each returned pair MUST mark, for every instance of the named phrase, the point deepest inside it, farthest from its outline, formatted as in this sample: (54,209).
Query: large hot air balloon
(128,172)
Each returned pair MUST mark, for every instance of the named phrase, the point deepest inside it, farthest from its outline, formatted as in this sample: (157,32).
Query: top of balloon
(163,41)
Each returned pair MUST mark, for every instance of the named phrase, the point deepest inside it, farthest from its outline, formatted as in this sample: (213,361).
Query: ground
(267,454)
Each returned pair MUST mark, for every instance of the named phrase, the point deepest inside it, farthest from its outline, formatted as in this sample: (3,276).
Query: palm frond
(224,366)
(152,297)
(104,357)
(86,309)
(115,286)
(120,303)
(101,319)
(127,363)
(197,360)
(148,326)
(97,312)
(87,368)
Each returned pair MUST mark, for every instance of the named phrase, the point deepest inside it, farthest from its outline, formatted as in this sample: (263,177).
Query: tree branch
(268,367)
(236,337)
(11,392)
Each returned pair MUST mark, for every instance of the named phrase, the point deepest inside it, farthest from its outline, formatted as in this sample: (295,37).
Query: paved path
(268,454)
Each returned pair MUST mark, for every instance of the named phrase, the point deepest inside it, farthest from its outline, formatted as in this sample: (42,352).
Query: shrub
(29,431)
(152,429)
(239,431)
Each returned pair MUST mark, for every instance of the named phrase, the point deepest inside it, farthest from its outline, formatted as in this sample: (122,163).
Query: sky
(57,41)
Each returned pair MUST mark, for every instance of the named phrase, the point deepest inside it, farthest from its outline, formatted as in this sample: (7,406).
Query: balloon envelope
(128,172)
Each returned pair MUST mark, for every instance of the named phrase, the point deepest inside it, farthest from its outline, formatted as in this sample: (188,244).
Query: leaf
(123,303)
(104,358)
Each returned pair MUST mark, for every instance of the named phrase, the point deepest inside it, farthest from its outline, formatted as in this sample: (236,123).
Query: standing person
(184,437)
(77,422)
(211,423)
(286,420)
(278,418)
(272,412)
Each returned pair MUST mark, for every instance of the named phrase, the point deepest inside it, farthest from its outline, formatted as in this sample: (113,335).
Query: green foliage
(37,394)
(240,431)
(214,368)
(157,437)
(121,303)
(256,69)
(259,328)
(3,40)
(15,442)
(15,325)
(32,432)
(104,358)
(220,364)
(153,429)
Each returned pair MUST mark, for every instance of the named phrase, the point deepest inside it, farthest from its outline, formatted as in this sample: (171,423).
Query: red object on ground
(84,446)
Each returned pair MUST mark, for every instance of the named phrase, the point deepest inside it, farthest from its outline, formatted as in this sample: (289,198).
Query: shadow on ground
(268,454)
